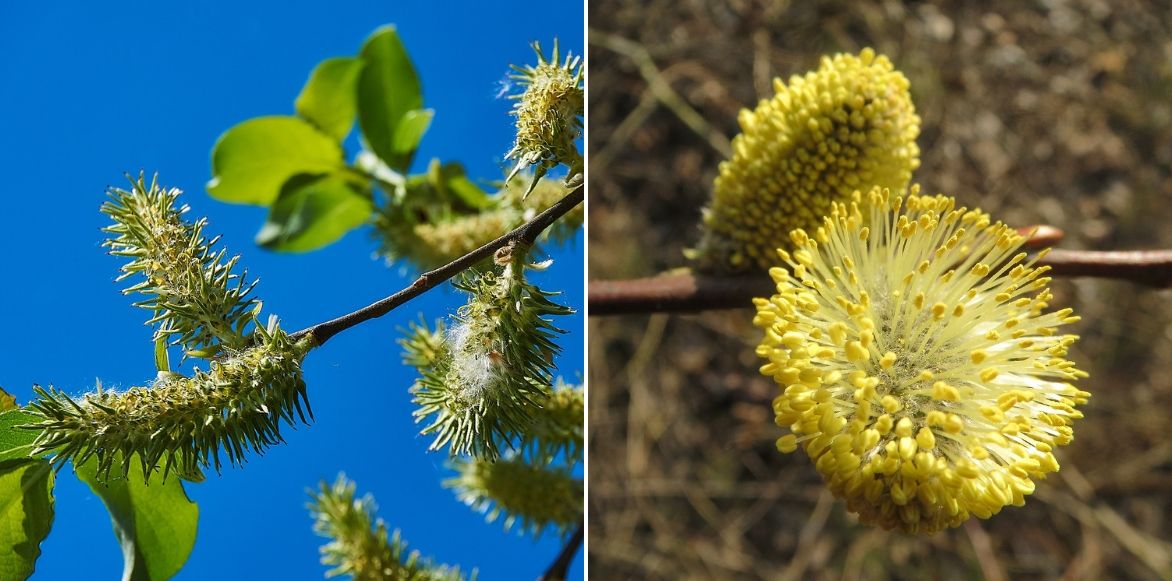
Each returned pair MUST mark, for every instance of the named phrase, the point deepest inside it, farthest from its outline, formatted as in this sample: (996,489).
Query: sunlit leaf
(457,183)
(155,523)
(328,98)
(312,213)
(16,442)
(388,88)
(252,160)
(410,132)
(26,515)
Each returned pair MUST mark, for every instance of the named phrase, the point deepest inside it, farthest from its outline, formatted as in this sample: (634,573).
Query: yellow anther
(936,419)
(856,352)
(904,427)
(938,311)
(793,339)
(789,375)
(953,424)
(925,438)
(787,443)
(837,333)
(943,392)
(907,448)
(993,414)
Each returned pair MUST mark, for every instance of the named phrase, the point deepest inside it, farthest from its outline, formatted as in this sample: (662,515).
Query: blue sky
(92,90)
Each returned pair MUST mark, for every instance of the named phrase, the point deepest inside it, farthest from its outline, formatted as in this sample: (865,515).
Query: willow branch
(560,567)
(693,293)
(1148,267)
(525,234)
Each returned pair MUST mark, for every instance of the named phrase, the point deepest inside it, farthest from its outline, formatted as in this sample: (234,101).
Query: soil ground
(1052,111)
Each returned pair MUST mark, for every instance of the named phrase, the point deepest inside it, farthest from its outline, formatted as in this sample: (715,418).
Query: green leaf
(7,400)
(26,515)
(162,358)
(464,189)
(155,523)
(312,213)
(410,131)
(449,179)
(388,88)
(16,443)
(251,161)
(328,100)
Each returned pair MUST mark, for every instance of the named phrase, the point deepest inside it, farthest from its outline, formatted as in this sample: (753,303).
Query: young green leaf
(311,215)
(7,400)
(16,442)
(328,98)
(410,132)
(252,160)
(450,179)
(26,515)
(388,88)
(155,523)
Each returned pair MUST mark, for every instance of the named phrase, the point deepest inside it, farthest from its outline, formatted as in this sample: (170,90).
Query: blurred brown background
(1056,112)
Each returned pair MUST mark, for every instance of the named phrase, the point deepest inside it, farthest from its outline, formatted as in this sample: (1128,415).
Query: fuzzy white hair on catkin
(472,365)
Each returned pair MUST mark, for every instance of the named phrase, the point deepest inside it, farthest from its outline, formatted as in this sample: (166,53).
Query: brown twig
(526,234)
(693,293)
(561,565)
(1148,267)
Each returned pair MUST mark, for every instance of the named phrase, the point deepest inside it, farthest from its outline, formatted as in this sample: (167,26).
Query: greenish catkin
(535,497)
(197,298)
(548,114)
(360,545)
(182,424)
(484,378)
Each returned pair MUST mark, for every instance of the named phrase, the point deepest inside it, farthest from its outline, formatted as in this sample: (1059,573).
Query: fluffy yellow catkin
(918,367)
(849,125)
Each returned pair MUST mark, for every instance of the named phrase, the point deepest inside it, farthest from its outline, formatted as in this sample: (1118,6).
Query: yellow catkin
(849,125)
(954,420)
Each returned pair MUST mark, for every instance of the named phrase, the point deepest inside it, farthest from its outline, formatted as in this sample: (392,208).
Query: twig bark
(561,565)
(526,234)
(693,293)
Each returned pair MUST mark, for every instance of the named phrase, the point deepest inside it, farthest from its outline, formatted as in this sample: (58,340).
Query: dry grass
(1055,112)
